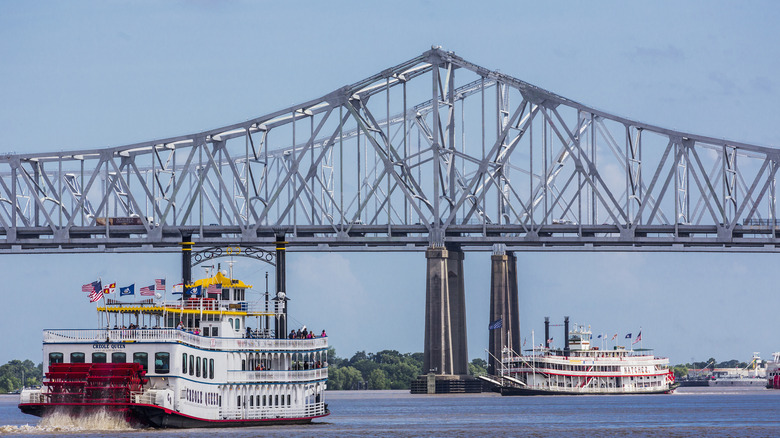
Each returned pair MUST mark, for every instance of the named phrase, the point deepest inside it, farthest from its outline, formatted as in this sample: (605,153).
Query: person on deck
(323,335)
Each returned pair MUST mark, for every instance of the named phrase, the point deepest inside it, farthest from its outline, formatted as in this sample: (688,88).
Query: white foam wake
(61,422)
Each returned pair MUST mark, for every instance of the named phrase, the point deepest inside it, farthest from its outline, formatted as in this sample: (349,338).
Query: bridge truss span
(433,151)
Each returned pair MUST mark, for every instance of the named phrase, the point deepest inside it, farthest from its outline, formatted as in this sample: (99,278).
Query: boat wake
(61,422)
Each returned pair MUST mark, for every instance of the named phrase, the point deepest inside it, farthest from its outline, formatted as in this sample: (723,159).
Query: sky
(94,74)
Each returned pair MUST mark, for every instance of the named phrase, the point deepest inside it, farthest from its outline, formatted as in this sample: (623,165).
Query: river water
(689,412)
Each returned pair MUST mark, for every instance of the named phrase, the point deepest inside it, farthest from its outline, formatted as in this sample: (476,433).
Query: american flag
(95,295)
(159,284)
(147,291)
(92,287)
(215,289)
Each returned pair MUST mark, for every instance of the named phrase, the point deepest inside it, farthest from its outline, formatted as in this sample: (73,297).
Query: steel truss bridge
(434,151)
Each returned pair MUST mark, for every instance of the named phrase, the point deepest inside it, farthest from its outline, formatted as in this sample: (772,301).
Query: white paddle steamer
(580,368)
(195,362)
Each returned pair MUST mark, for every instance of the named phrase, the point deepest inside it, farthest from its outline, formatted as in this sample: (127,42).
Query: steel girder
(431,151)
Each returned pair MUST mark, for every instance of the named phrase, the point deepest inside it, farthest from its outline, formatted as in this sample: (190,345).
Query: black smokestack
(547,331)
(566,335)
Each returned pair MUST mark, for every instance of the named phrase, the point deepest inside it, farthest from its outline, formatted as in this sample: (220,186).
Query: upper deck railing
(277,376)
(173,335)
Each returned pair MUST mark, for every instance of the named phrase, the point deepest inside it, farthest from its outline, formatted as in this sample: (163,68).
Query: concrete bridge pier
(504,319)
(445,356)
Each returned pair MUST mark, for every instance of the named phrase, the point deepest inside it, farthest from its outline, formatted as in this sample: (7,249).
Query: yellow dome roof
(220,279)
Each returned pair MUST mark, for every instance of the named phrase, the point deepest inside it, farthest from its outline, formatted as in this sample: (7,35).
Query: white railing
(173,335)
(263,413)
(277,376)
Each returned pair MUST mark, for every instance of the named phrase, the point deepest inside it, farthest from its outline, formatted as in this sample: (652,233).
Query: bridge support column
(445,356)
(504,313)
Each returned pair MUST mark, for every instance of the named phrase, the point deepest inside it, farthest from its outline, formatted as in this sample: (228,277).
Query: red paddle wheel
(80,387)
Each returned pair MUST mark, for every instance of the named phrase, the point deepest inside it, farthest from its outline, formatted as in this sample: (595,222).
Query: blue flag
(496,324)
(195,291)
(628,336)
(127,290)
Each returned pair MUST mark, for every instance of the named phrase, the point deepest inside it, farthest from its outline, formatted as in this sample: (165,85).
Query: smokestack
(547,331)
(281,287)
(566,335)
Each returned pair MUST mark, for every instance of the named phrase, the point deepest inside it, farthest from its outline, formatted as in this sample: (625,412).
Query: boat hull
(156,416)
(513,390)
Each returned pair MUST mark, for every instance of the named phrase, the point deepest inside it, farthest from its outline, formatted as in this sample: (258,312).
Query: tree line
(11,375)
(681,370)
(386,369)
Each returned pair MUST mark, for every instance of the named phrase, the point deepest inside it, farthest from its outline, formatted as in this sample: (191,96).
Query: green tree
(353,379)
(377,379)
(478,367)
(11,375)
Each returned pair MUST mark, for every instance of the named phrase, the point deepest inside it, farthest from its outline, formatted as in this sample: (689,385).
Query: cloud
(669,53)
(762,84)
(727,86)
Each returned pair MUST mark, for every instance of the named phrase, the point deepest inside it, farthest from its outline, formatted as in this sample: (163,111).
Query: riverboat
(580,368)
(203,361)
(773,372)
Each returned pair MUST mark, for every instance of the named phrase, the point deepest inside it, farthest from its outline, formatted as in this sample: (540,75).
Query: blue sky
(84,75)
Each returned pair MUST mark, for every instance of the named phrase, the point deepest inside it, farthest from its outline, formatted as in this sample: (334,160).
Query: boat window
(238,401)
(192,365)
(98,357)
(143,359)
(211,369)
(205,331)
(251,402)
(55,358)
(258,401)
(197,367)
(288,399)
(263,400)
(238,324)
(230,322)
(214,332)
(225,294)
(77,358)
(162,363)
(243,364)
(205,368)
(118,358)
(184,363)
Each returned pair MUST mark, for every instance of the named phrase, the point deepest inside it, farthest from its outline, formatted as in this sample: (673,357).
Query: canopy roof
(220,279)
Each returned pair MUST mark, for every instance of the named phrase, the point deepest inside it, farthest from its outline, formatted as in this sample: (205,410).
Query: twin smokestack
(565,334)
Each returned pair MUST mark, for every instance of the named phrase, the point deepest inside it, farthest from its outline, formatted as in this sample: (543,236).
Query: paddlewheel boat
(773,372)
(224,366)
(580,368)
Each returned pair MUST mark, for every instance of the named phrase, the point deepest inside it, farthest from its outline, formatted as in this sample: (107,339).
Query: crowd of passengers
(305,334)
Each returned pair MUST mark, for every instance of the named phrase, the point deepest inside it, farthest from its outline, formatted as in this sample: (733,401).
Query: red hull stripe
(169,412)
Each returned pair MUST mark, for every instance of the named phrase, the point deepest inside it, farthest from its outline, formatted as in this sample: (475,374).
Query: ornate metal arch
(253,252)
